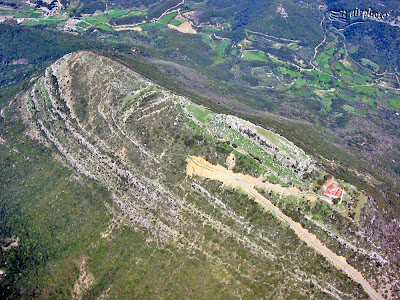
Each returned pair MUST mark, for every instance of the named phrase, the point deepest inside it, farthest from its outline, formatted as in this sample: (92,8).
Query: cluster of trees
(50,6)
(376,41)
(39,48)
(13,4)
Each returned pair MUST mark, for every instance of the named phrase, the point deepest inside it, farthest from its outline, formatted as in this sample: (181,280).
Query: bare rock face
(78,105)
(91,107)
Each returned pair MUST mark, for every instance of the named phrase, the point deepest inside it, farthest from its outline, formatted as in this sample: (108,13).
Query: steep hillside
(100,197)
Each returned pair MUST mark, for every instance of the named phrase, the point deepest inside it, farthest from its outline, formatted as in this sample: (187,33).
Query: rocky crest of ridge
(133,137)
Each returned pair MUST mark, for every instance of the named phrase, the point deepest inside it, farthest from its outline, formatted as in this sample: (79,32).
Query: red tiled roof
(334,191)
(330,190)
(338,192)
(329,182)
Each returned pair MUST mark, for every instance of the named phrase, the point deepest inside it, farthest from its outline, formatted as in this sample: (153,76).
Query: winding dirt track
(199,166)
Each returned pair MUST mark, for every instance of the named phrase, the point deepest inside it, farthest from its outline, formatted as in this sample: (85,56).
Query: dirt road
(199,166)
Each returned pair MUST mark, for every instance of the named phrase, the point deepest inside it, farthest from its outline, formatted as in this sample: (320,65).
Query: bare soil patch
(184,27)
(136,28)
(84,282)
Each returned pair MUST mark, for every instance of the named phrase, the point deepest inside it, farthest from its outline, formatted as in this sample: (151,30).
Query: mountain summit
(160,197)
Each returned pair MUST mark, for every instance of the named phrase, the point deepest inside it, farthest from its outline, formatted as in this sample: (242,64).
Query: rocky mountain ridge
(115,128)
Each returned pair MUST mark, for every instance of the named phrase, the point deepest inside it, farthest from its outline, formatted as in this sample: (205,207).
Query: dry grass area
(231,161)
(185,27)
(322,93)
(199,166)
(345,62)
(136,28)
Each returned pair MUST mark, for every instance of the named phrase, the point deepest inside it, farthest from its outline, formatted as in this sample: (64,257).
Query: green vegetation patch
(369,100)
(47,22)
(101,18)
(130,99)
(200,113)
(137,12)
(211,30)
(365,89)
(330,50)
(350,109)
(247,165)
(362,200)
(323,58)
(7,11)
(360,79)
(369,63)
(96,19)
(300,82)
(286,71)
(255,55)
(23,13)
(327,103)
(57,17)
(221,50)
(395,103)
(105,27)
(31,22)
(148,26)
(324,77)
(90,21)
(36,15)
(175,22)
(83,24)
(168,17)
(117,13)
